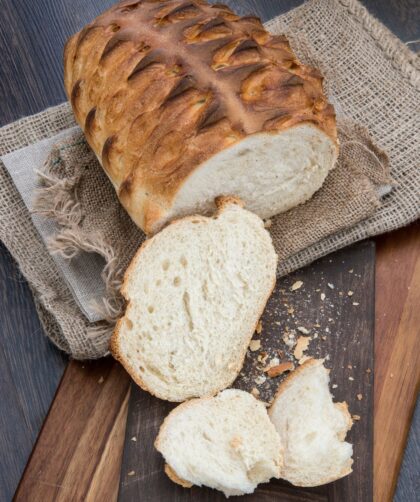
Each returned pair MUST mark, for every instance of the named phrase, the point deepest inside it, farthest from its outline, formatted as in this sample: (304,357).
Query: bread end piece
(312,427)
(226,442)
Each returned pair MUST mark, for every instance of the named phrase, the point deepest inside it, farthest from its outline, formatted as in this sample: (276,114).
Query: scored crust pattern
(161,86)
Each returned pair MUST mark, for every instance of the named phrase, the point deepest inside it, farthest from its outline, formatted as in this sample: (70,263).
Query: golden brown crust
(222,203)
(173,476)
(160,87)
(225,200)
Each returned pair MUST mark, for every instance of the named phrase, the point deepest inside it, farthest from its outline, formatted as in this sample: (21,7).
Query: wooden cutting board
(341,328)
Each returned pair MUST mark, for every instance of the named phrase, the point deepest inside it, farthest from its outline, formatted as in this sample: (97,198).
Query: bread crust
(160,88)
(221,203)
(173,476)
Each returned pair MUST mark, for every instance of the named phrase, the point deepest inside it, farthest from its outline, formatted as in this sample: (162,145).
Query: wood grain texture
(396,350)
(30,370)
(78,453)
(344,334)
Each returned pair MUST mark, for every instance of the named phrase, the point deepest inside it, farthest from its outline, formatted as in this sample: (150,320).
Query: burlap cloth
(372,79)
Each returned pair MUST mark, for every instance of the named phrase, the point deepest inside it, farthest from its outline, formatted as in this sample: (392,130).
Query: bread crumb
(359,397)
(303,330)
(255,345)
(322,296)
(350,293)
(355,417)
(268,223)
(301,345)
(262,357)
(296,285)
(315,335)
(131,473)
(258,329)
(351,271)
(255,392)
(260,379)
(356,304)
(134,439)
(331,286)
(351,378)
(303,359)
(289,339)
(349,366)
(290,310)
(324,337)
(334,386)
(368,370)
(101,380)
(275,361)
(277,370)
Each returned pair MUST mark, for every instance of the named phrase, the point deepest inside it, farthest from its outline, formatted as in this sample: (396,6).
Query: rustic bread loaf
(195,292)
(226,442)
(183,101)
(312,428)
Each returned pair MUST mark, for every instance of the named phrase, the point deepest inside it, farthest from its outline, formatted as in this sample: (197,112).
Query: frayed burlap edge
(58,199)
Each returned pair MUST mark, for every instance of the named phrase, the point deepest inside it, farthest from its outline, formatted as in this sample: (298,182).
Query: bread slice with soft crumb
(312,427)
(195,293)
(225,442)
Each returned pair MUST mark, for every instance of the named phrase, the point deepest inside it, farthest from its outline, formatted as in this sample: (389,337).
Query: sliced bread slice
(312,427)
(226,442)
(195,293)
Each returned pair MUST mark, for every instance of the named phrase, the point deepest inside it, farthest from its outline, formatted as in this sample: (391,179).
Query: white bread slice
(226,442)
(196,291)
(312,427)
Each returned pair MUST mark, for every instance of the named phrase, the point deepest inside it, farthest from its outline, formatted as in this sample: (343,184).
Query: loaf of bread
(183,101)
(195,293)
(312,428)
(226,442)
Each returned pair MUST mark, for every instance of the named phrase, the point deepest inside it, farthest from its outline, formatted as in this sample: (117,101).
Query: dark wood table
(50,403)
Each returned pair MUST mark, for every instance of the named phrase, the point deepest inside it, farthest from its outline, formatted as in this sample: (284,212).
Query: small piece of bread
(225,442)
(312,427)
(195,294)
